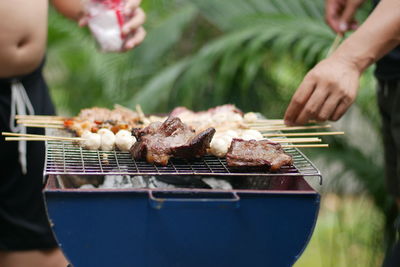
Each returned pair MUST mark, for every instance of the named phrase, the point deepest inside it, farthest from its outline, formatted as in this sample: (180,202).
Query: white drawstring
(20,103)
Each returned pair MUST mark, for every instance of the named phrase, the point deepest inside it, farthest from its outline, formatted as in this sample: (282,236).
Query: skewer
(40,135)
(301,134)
(300,145)
(271,122)
(25,121)
(44,126)
(279,120)
(290,128)
(39,117)
(268,120)
(335,44)
(266,124)
(278,140)
(140,113)
(296,140)
(59,138)
(44,138)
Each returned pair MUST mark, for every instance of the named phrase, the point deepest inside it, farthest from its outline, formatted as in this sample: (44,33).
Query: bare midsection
(23,34)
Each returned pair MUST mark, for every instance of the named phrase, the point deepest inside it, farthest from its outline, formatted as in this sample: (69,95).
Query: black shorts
(389,106)
(23,220)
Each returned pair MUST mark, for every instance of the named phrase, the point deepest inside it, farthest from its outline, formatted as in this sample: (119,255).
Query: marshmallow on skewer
(124,140)
(107,139)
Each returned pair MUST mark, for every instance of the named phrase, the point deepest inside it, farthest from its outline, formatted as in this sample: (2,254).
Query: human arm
(329,89)
(74,9)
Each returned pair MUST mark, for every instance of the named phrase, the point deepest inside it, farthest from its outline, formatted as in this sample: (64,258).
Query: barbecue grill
(266,219)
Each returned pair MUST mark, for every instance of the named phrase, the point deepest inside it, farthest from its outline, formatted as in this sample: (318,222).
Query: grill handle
(184,199)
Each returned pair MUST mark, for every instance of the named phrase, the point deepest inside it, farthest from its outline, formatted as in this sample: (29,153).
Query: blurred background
(254,54)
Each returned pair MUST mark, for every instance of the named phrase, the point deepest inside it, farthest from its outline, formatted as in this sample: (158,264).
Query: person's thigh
(33,258)
(389,106)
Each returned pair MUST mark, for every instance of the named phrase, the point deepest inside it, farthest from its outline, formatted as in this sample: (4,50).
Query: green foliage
(343,237)
(248,38)
(234,66)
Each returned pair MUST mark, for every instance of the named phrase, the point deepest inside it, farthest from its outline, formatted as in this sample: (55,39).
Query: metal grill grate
(63,157)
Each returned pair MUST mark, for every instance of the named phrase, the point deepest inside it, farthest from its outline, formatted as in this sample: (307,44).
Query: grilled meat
(221,118)
(157,143)
(117,115)
(254,153)
(94,119)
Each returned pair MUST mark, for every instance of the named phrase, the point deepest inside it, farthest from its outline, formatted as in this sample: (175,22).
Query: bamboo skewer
(25,121)
(295,140)
(48,138)
(272,123)
(40,117)
(45,138)
(44,126)
(265,125)
(335,44)
(36,137)
(267,120)
(290,128)
(308,145)
(301,134)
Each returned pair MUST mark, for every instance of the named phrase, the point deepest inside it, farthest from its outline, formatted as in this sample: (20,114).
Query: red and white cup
(105,21)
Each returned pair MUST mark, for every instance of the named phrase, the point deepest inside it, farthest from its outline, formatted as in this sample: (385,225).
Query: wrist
(356,56)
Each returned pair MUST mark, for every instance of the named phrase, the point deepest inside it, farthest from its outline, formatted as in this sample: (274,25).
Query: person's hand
(326,92)
(339,14)
(132,27)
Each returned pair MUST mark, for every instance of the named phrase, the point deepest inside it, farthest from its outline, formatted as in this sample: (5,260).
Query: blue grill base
(184,228)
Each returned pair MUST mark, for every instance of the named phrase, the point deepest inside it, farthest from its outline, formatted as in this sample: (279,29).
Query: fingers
(354,25)
(131,6)
(135,22)
(347,18)
(339,14)
(332,14)
(323,106)
(312,109)
(133,27)
(328,109)
(299,100)
(83,21)
(136,39)
(344,104)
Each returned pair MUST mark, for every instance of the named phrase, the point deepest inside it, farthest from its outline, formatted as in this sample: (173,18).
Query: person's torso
(23,35)
(388,67)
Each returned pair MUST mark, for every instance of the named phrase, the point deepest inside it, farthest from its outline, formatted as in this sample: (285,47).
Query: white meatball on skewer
(107,139)
(90,140)
(219,147)
(250,117)
(124,140)
(251,135)
(221,142)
